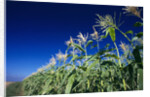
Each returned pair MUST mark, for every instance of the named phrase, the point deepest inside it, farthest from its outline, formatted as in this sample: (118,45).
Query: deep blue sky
(35,31)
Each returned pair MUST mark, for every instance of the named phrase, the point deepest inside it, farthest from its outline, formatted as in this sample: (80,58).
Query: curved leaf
(88,43)
(101,52)
(129,32)
(79,47)
(107,45)
(70,83)
(140,34)
(138,24)
(140,79)
(93,46)
(66,75)
(104,36)
(92,65)
(111,55)
(74,58)
(108,63)
(84,57)
(111,32)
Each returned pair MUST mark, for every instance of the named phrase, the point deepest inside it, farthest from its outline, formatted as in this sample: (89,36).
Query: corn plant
(107,70)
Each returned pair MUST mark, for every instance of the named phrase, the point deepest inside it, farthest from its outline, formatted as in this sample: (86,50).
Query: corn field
(116,68)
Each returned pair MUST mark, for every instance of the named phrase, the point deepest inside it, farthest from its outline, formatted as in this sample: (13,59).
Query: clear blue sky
(35,31)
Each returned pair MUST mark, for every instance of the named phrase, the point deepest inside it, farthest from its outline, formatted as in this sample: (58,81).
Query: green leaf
(93,46)
(108,63)
(101,52)
(112,33)
(82,67)
(46,88)
(138,24)
(109,88)
(74,58)
(70,83)
(88,84)
(69,55)
(66,75)
(136,54)
(129,32)
(140,79)
(107,45)
(68,47)
(88,43)
(79,47)
(140,34)
(105,36)
(112,71)
(111,55)
(92,65)
(105,74)
(83,57)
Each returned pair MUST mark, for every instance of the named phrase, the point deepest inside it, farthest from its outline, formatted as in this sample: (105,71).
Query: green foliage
(70,83)
(138,24)
(111,32)
(129,32)
(103,71)
(139,35)
(140,79)
(79,47)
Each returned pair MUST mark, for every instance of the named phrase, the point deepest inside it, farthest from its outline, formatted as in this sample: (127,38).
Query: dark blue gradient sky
(35,31)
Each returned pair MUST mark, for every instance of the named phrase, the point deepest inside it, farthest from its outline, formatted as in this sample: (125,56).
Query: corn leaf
(111,32)
(74,58)
(111,55)
(138,24)
(92,65)
(79,47)
(65,78)
(140,79)
(129,32)
(70,83)
(89,42)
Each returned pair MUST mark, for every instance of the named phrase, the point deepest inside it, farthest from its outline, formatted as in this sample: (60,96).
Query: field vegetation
(116,68)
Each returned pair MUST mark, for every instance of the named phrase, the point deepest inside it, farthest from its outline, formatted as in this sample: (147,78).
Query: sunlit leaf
(111,32)
(129,32)
(79,47)
(89,42)
(92,65)
(111,55)
(70,83)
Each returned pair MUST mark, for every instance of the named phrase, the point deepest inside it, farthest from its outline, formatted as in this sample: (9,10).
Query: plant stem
(98,51)
(124,84)
(125,36)
(119,61)
(118,54)
(102,85)
(73,55)
(85,55)
(97,45)
(85,51)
